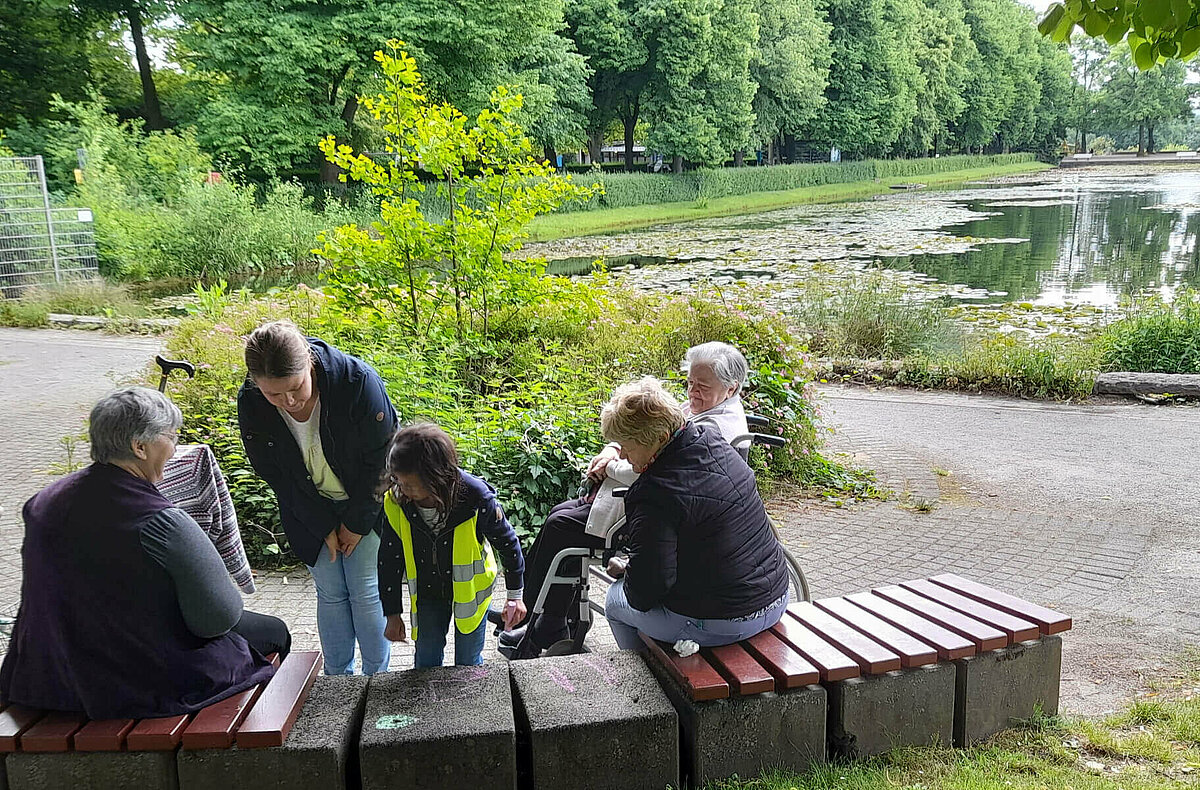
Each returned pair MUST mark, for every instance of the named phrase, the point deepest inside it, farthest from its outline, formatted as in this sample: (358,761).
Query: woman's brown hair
(425,450)
(277,350)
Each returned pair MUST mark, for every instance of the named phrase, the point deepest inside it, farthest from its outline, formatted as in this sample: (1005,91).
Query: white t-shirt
(308,437)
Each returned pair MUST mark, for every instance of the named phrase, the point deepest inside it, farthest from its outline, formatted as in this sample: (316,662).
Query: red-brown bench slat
(272,717)
(745,675)
(272,659)
(52,733)
(694,672)
(1015,628)
(1048,620)
(106,735)
(872,657)
(14,720)
(157,735)
(983,635)
(949,644)
(213,726)
(790,669)
(832,663)
(912,651)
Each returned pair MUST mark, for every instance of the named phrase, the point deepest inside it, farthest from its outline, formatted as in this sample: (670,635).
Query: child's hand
(394,630)
(514,613)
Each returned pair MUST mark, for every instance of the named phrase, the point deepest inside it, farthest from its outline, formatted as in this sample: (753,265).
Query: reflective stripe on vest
(472,571)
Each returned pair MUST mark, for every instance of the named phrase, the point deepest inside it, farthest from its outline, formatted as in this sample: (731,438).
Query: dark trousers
(564,528)
(266,633)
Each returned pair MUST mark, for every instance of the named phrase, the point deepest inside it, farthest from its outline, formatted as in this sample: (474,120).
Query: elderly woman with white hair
(704,563)
(716,373)
(127,610)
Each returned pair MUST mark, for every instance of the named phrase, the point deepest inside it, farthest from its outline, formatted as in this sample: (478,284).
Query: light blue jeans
(348,608)
(667,626)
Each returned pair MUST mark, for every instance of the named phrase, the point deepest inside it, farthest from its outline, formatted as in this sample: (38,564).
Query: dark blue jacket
(701,544)
(357,422)
(432,552)
(100,630)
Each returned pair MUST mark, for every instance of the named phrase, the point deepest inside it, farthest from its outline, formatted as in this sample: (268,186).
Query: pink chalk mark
(602,670)
(562,680)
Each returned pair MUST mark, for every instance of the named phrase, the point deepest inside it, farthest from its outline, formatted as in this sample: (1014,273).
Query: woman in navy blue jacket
(316,424)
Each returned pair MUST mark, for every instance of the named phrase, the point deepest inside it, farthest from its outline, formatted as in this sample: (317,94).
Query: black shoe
(513,638)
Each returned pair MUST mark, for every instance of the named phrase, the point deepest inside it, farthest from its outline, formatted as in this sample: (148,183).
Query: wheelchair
(593,563)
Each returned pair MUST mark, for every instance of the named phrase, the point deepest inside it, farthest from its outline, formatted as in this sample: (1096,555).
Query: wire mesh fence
(39,243)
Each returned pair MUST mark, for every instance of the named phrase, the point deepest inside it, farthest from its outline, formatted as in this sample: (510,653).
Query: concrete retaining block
(908,707)
(318,752)
(747,735)
(998,687)
(445,728)
(92,771)
(598,721)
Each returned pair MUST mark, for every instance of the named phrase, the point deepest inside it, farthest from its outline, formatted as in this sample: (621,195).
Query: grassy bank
(590,223)
(1155,743)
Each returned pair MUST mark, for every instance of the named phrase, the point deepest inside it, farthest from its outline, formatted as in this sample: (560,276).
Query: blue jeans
(667,626)
(433,620)
(348,608)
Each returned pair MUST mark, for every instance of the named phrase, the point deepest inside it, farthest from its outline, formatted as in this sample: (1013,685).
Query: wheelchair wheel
(796,575)
(563,647)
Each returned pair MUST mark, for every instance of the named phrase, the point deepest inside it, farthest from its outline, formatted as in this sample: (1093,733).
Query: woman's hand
(514,613)
(597,468)
(347,540)
(616,567)
(331,543)
(394,630)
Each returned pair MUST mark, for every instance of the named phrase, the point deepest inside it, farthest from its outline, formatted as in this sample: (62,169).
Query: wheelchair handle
(767,439)
(755,421)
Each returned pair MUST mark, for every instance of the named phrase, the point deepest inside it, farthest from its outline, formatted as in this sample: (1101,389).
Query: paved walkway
(1086,507)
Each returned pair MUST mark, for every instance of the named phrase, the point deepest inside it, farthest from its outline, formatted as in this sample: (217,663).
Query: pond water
(1079,237)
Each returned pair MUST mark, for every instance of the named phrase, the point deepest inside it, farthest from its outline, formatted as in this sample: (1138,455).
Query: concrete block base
(747,735)
(92,771)
(318,752)
(909,707)
(996,688)
(447,728)
(594,722)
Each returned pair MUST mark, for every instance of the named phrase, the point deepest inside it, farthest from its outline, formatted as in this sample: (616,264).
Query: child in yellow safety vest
(441,521)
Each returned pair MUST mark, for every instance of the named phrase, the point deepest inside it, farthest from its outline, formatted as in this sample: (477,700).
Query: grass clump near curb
(94,297)
(704,206)
(1155,336)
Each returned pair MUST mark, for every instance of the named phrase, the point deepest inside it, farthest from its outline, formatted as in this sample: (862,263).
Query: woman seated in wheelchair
(716,373)
(704,563)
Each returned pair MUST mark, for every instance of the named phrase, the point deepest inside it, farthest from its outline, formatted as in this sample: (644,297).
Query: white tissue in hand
(686,647)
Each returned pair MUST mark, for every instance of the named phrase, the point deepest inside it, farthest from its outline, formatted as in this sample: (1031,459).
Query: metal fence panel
(39,243)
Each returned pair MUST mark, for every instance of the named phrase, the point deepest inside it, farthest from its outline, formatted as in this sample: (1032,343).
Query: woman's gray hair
(132,414)
(727,363)
(640,411)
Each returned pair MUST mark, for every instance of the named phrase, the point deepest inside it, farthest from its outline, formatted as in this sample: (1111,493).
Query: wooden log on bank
(1179,384)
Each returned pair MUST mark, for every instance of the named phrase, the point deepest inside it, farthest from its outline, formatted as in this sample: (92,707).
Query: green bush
(1044,368)
(622,190)
(522,402)
(1154,336)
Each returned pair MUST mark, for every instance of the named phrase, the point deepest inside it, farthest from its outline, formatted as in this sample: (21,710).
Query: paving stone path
(1085,507)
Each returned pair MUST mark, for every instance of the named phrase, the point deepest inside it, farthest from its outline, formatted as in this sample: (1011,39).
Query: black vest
(99,630)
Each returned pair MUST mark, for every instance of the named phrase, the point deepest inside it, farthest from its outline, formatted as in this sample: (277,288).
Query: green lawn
(589,223)
(1155,743)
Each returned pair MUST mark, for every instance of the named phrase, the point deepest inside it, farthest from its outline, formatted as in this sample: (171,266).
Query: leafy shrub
(1155,336)
(870,316)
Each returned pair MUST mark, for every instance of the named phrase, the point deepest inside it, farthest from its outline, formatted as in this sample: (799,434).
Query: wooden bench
(904,663)
(258,717)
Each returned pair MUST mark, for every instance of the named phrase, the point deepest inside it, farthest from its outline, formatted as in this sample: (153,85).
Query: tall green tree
(791,70)
(1089,63)
(1133,98)
(945,56)
(294,68)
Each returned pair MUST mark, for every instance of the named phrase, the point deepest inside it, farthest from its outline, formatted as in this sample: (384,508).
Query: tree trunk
(1083,141)
(151,110)
(330,171)
(789,149)
(677,164)
(551,156)
(1141,139)
(739,158)
(595,142)
(1149,138)
(629,119)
